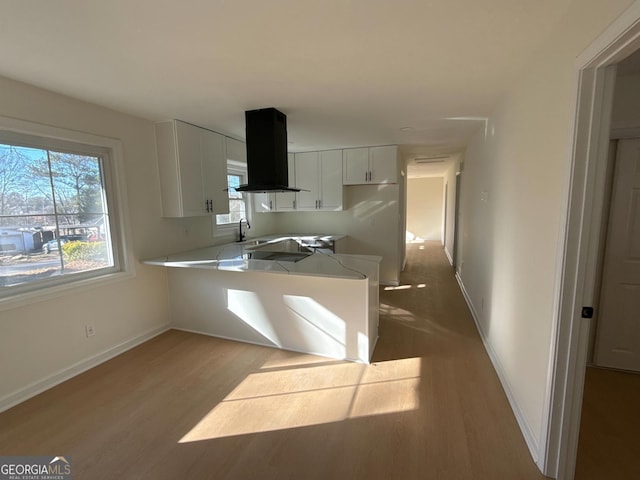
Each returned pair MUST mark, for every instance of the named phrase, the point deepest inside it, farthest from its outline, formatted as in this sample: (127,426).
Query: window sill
(23,299)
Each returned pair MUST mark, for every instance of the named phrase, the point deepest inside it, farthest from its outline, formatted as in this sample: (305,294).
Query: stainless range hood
(266,138)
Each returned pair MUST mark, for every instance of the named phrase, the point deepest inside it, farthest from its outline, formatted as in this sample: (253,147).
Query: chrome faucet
(241,234)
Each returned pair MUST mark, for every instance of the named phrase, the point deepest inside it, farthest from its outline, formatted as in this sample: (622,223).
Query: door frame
(577,266)
(456,220)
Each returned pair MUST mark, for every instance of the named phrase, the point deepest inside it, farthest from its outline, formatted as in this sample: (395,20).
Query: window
(238,208)
(237,205)
(55,219)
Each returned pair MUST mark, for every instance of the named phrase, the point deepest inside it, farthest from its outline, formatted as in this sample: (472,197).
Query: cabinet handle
(270,204)
(207,205)
(294,204)
(319,203)
(366,176)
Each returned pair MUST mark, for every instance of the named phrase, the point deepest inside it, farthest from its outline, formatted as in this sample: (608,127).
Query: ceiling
(419,73)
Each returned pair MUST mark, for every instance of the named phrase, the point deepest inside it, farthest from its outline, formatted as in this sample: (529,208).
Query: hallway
(467,411)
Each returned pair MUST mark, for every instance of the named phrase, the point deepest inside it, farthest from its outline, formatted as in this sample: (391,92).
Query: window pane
(233,181)
(22,258)
(77,183)
(237,205)
(25,187)
(53,215)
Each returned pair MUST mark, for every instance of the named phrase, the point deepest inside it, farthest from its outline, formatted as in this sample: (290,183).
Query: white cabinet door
(383,164)
(330,180)
(193,171)
(286,201)
(355,166)
(307,176)
(214,171)
(264,202)
(189,160)
(370,165)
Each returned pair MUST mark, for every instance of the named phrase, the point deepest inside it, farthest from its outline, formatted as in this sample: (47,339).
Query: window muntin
(237,201)
(55,224)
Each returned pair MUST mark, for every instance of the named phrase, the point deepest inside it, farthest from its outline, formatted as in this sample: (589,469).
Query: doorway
(617,343)
(425,209)
(587,204)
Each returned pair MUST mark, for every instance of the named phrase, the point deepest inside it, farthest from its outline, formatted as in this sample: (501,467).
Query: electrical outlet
(90,330)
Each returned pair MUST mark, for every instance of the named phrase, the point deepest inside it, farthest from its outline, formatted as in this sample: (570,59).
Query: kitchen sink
(284,246)
(254,243)
(275,256)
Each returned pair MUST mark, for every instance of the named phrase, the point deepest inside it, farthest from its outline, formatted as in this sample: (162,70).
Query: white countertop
(237,257)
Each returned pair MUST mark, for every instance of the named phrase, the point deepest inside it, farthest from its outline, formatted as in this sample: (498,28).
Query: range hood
(266,138)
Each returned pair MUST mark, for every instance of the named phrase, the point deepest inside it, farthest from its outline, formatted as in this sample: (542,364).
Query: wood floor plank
(195,407)
(608,446)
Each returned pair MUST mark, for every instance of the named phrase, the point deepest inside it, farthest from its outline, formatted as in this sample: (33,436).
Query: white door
(331,180)
(618,331)
(383,164)
(214,171)
(286,201)
(356,166)
(263,202)
(189,140)
(307,179)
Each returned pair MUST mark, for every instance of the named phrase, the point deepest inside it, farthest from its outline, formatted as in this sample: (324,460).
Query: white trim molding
(60,376)
(529,438)
(577,269)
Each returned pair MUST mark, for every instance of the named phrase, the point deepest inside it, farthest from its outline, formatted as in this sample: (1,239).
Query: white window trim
(231,229)
(115,184)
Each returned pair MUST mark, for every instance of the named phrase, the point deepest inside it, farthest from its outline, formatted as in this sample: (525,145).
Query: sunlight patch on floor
(311,395)
(404,287)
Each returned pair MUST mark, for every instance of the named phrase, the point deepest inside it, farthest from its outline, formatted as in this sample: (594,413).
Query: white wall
(514,187)
(44,341)
(450,181)
(371,218)
(424,207)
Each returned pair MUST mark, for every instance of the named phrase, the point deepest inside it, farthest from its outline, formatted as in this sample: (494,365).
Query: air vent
(431,159)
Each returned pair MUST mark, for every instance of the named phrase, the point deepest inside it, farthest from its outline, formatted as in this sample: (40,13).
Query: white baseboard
(446,252)
(60,376)
(527,433)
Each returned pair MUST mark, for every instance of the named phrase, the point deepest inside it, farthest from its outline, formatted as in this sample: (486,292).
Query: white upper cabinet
(370,165)
(193,170)
(307,180)
(263,202)
(319,176)
(355,164)
(277,201)
(331,180)
(286,201)
(214,171)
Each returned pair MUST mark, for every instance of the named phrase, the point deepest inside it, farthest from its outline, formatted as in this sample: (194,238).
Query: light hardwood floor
(189,406)
(609,447)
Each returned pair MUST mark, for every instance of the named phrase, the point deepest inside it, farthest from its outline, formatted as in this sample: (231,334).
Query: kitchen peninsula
(279,291)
